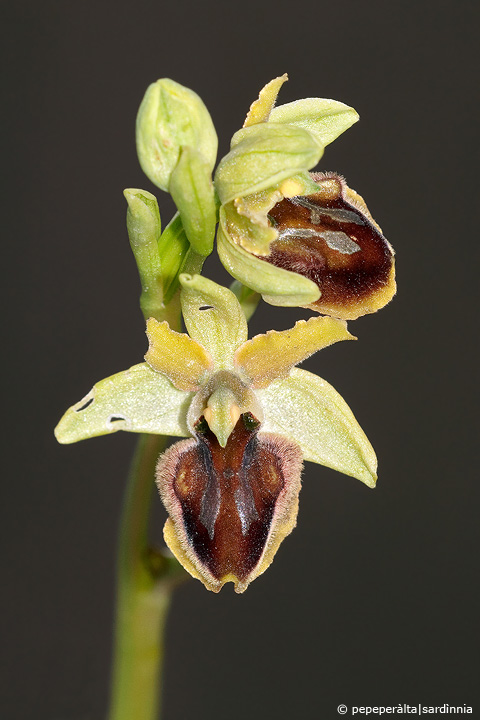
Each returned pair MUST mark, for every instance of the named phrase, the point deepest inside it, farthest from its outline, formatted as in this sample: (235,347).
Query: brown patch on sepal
(230,508)
(331,238)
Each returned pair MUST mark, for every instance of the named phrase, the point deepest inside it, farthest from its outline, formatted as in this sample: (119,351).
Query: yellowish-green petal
(308,410)
(267,357)
(183,360)
(213,316)
(136,400)
(261,108)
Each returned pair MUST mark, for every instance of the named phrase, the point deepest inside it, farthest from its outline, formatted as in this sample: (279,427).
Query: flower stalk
(143,597)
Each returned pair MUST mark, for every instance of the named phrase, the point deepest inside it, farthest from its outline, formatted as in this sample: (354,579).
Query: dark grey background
(374,597)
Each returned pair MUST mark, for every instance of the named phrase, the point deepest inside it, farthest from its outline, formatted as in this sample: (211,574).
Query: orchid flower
(299,238)
(251,417)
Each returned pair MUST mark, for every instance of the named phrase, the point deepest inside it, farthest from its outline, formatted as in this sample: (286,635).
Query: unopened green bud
(143,225)
(191,188)
(173,248)
(263,155)
(171,116)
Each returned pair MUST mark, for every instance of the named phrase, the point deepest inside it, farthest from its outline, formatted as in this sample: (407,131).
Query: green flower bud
(173,249)
(263,155)
(191,188)
(143,225)
(171,116)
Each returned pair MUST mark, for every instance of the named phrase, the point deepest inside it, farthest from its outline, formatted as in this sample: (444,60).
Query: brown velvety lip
(228,498)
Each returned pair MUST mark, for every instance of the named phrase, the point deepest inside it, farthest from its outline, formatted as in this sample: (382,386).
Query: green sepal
(136,400)
(170,117)
(276,285)
(263,155)
(308,410)
(213,316)
(144,228)
(191,188)
(325,119)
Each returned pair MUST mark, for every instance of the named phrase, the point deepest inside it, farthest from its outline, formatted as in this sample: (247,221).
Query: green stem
(145,585)
(247,298)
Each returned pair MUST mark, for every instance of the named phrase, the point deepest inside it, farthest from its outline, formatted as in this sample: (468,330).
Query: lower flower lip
(230,507)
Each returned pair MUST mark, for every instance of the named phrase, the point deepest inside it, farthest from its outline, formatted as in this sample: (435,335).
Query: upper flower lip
(327,253)
(331,238)
(298,239)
